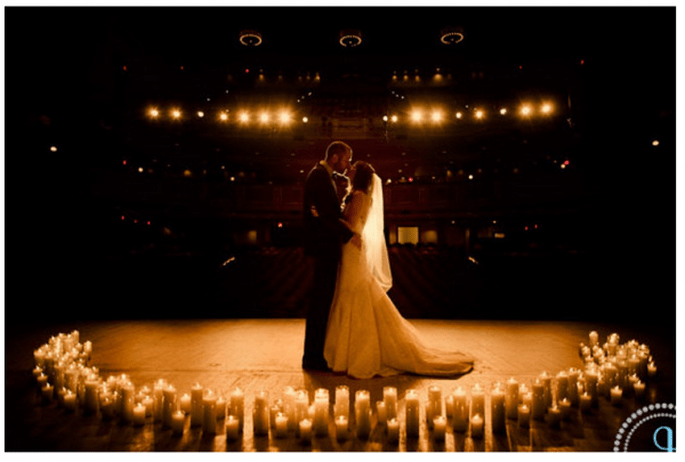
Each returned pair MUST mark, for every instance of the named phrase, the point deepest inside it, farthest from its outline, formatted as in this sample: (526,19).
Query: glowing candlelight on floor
(260,414)
(281,425)
(616,396)
(382,414)
(196,410)
(362,410)
(639,389)
(238,406)
(511,399)
(439,426)
(524,415)
(412,407)
(341,427)
(186,404)
(538,405)
(477,426)
(651,370)
(498,411)
(342,401)
(232,428)
(305,430)
(178,422)
(139,415)
(169,406)
(460,418)
(209,412)
(47,393)
(554,416)
(390,398)
(321,409)
(565,408)
(393,431)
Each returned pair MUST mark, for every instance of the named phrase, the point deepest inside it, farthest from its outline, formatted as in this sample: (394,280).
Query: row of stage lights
(415,116)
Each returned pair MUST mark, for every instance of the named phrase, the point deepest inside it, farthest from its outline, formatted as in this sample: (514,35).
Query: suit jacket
(324,233)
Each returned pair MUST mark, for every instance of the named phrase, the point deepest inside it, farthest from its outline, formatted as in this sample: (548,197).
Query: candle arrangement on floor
(611,371)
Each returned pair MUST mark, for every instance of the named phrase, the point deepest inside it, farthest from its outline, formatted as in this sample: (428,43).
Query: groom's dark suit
(324,236)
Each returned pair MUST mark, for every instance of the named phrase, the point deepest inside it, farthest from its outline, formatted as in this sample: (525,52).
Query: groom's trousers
(320,300)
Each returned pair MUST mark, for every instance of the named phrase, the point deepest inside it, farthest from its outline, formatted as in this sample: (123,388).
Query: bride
(366,334)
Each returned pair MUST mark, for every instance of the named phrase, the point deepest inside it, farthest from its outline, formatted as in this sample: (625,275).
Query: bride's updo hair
(363,177)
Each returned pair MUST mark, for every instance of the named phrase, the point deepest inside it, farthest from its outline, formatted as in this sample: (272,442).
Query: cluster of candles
(613,371)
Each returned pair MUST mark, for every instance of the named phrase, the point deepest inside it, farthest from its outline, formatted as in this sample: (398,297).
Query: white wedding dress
(366,334)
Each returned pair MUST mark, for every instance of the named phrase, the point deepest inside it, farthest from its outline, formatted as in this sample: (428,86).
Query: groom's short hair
(337,148)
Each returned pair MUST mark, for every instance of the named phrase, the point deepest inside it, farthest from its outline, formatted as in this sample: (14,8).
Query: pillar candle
(523,415)
(511,399)
(148,402)
(178,422)
(362,408)
(108,404)
(128,392)
(477,401)
(460,418)
(393,431)
(562,385)
(289,398)
(238,406)
(158,398)
(321,411)
(554,416)
(498,412)
(651,370)
(539,405)
(209,412)
(439,425)
(185,403)
(565,408)
(390,398)
(281,425)
(69,401)
(616,396)
(342,401)
(170,396)
(585,403)
(594,338)
(341,427)
(546,380)
(301,408)
(220,408)
(274,410)
(232,427)
(196,410)
(260,414)
(429,413)
(477,426)
(41,381)
(639,390)
(92,397)
(435,398)
(139,415)
(449,406)
(573,396)
(47,393)
(305,431)
(412,409)
(382,414)
(591,385)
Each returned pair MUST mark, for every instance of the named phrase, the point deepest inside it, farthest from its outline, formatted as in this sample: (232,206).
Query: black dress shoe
(315,365)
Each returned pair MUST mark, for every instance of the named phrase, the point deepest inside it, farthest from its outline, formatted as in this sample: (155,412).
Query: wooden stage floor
(265,354)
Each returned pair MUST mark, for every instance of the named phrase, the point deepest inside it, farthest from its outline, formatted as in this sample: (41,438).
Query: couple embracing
(352,325)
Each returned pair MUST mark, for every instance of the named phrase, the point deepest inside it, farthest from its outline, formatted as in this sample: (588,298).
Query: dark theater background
(155,160)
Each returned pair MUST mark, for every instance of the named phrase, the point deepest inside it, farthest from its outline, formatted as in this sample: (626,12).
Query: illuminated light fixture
(141,169)
(284,117)
(655,143)
(176,114)
(451,35)
(503,111)
(53,148)
(264,117)
(250,38)
(480,114)
(526,110)
(546,108)
(459,115)
(305,119)
(350,38)
(154,113)
(223,117)
(394,119)
(244,117)
(436,116)
(385,118)
(200,114)
(416,116)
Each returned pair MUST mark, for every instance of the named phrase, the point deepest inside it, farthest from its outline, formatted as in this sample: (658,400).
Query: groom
(324,236)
